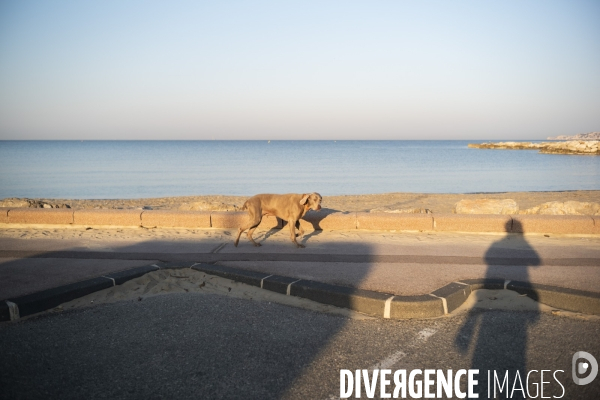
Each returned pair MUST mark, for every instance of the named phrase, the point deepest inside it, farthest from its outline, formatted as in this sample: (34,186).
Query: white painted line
(219,248)
(506,282)
(443,302)
(13,309)
(389,362)
(154,265)
(461,283)
(388,307)
(289,287)
(393,359)
(107,277)
(425,334)
(261,281)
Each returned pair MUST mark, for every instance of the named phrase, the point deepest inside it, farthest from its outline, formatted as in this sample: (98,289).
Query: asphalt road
(201,346)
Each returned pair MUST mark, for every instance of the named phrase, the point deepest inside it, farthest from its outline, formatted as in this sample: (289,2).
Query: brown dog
(289,207)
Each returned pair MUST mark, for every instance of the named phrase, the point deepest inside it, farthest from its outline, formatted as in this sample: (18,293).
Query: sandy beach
(408,202)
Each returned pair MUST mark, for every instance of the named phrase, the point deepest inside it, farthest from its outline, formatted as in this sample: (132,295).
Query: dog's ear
(304,199)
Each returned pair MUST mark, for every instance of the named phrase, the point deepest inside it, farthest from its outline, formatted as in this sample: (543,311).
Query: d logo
(583,367)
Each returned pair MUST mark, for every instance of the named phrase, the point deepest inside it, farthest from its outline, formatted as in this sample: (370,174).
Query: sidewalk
(385,267)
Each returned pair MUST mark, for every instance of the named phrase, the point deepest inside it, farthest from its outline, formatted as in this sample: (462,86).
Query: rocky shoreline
(581,136)
(577,147)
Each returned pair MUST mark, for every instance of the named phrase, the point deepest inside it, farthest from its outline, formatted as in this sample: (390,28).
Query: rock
(486,206)
(564,208)
(15,203)
(208,206)
(43,204)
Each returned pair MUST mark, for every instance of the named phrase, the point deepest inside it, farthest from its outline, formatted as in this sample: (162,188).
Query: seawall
(537,224)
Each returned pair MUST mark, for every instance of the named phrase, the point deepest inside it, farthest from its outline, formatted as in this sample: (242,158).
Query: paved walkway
(398,264)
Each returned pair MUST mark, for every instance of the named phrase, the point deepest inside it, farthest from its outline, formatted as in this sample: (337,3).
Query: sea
(145,169)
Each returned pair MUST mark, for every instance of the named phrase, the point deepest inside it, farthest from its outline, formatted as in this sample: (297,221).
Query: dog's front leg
(300,230)
(292,225)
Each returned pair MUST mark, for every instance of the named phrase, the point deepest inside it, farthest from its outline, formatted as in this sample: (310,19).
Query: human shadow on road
(496,345)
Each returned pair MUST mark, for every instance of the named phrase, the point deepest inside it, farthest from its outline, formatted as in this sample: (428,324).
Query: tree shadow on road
(496,345)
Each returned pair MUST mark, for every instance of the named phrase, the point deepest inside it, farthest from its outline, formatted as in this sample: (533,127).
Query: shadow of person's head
(514,226)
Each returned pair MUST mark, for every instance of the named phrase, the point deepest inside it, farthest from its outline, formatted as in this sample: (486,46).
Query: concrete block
(4,215)
(174,264)
(323,220)
(278,284)
(239,275)
(365,301)
(108,217)
(183,219)
(563,298)
(47,299)
(231,220)
(423,306)
(389,221)
(472,223)
(129,274)
(485,283)
(4,311)
(454,293)
(562,224)
(40,216)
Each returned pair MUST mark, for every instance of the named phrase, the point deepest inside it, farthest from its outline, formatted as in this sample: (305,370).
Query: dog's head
(311,201)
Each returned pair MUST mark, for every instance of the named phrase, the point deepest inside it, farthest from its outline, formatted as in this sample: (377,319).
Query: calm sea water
(136,169)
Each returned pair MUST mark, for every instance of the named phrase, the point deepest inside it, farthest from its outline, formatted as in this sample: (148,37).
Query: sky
(202,70)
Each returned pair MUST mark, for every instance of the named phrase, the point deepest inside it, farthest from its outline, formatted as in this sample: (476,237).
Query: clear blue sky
(511,69)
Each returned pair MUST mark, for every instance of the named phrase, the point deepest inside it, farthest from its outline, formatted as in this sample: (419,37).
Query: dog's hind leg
(250,232)
(253,222)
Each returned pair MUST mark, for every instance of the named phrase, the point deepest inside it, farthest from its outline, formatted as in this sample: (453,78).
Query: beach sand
(434,202)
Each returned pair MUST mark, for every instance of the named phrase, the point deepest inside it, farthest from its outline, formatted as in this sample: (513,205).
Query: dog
(288,207)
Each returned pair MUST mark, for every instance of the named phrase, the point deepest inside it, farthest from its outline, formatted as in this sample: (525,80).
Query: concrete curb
(383,305)
(324,220)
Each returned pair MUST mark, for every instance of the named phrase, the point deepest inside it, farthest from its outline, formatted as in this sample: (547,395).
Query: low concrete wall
(40,216)
(472,223)
(107,217)
(397,222)
(4,215)
(543,224)
(179,219)
(553,224)
(231,220)
(316,221)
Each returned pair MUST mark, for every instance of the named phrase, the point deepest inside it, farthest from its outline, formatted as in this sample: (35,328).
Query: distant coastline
(576,147)
(581,136)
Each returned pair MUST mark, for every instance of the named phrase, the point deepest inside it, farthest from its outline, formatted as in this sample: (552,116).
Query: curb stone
(567,299)
(365,301)
(4,312)
(174,264)
(248,277)
(417,307)
(41,301)
(121,277)
(383,305)
(453,295)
